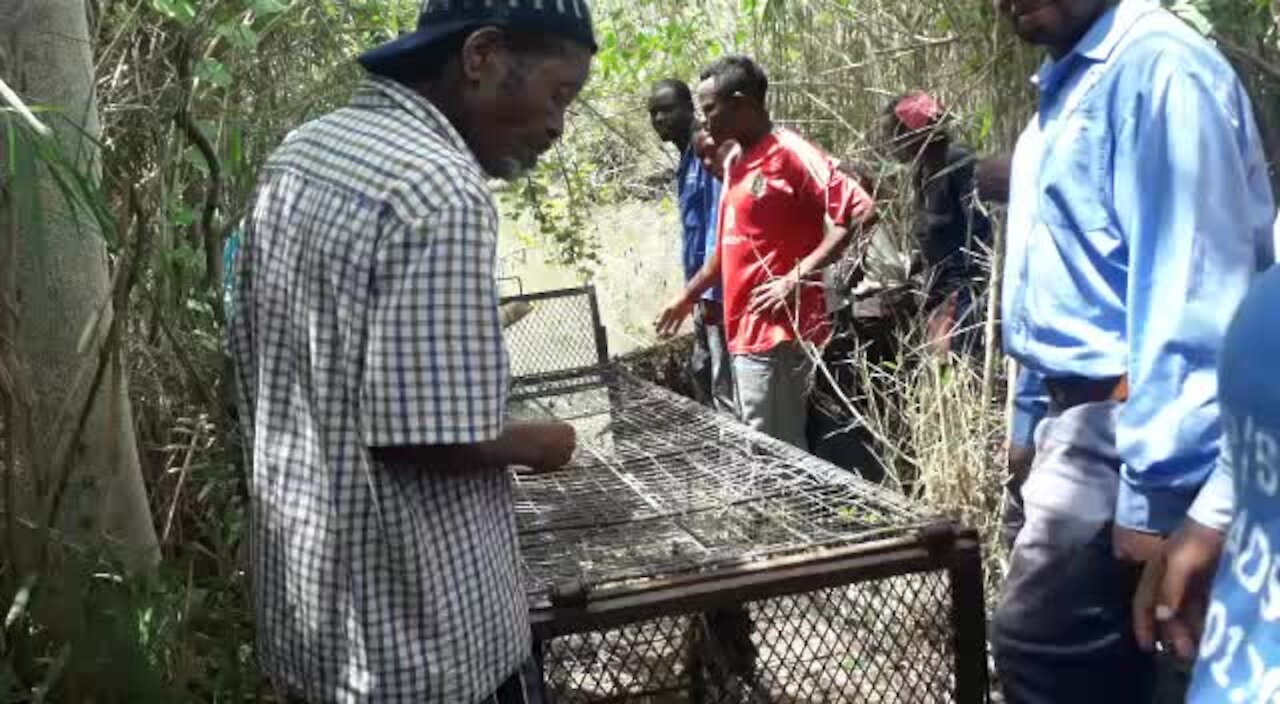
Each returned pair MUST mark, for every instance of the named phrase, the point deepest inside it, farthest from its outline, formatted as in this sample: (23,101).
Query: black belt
(1072,391)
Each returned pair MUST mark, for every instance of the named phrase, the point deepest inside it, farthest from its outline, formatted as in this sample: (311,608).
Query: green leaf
(239,36)
(182,11)
(181,215)
(268,7)
(235,150)
(1187,11)
(213,72)
(988,124)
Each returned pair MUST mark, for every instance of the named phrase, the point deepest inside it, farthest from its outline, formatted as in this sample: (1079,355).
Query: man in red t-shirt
(787,212)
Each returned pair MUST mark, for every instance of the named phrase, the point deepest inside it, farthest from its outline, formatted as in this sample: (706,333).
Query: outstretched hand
(551,445)
(672,316)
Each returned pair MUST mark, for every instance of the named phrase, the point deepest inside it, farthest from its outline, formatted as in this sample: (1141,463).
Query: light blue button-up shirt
(1139,214)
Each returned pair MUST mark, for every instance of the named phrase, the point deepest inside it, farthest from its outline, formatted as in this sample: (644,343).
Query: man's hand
(1174,592)
(774,295)
(992,178)
(550,444)
(672,317)
(1135,546)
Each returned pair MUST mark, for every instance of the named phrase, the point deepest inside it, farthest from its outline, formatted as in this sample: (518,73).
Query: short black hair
(738,74)
(677,86)
(429,64)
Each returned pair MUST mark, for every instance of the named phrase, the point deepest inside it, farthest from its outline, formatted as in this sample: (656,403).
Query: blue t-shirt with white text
(1239,656)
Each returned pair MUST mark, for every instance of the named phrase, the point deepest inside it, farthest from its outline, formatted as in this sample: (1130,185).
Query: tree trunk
(61,283)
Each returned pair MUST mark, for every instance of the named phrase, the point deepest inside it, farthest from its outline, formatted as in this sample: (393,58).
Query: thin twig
(1271,70)
(189,453)
(206,232)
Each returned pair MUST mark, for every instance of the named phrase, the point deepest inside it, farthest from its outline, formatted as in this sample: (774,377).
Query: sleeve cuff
(1160,511)
(1030,406)
(1215,504)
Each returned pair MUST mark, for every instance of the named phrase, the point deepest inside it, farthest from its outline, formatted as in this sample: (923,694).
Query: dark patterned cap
(440,19)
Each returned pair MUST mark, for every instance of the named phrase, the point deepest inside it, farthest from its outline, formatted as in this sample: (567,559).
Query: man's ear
(484,55)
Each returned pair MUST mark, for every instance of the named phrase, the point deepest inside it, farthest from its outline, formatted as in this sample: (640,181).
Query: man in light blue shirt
(1140,212)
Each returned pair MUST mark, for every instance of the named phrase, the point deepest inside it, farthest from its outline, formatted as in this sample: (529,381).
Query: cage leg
(693,661)
(969,626)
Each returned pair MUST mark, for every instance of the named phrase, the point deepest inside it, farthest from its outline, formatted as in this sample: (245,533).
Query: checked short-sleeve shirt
(365,315)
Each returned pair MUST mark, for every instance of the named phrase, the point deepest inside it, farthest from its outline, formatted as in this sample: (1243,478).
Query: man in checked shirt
(371,367)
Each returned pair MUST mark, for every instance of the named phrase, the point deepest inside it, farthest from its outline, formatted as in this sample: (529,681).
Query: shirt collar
(1100,41)
(1105,34)
(382,93)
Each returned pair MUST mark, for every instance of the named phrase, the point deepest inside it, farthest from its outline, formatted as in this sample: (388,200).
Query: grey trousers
(773,392)
(1062,632)
(712,366)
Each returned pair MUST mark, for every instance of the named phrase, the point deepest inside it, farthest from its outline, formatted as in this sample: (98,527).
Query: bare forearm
(510,448)
(826,253)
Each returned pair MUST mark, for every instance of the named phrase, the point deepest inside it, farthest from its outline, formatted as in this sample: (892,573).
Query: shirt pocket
(1073,174)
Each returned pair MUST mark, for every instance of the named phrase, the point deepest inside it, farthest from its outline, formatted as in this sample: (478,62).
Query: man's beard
(512,168)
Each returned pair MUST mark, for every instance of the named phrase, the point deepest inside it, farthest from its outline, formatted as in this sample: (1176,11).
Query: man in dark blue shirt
(671,114)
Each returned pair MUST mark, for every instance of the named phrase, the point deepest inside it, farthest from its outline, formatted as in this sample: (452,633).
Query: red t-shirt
(777,197)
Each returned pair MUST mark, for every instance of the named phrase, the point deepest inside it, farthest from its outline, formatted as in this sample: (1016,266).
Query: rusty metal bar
(696,593)
(969,624)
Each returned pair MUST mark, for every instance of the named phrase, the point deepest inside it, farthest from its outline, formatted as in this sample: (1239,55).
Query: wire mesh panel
(886,641)
(683,557)
(659,485)
(556,332)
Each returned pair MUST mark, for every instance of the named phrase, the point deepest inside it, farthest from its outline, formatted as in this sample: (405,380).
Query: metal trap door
(554,334)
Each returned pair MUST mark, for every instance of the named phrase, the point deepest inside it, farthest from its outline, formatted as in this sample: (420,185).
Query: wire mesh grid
(883,642)
(660,485)
(663,493)
(555,332)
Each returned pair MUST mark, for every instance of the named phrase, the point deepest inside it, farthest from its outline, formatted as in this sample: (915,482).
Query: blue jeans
(1062,632)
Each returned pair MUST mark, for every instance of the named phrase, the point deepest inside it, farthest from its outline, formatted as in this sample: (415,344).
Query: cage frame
(943,546)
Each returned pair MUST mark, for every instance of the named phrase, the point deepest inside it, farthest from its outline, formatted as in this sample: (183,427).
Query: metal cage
(683,557)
